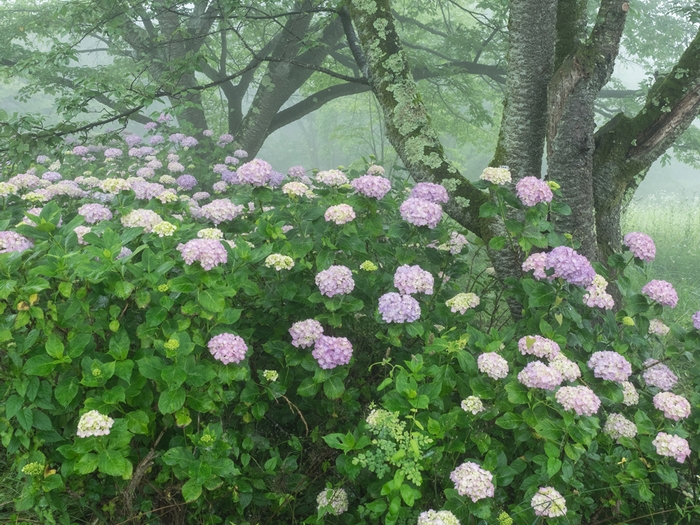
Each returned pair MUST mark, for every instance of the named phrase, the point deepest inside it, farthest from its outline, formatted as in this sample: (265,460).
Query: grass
(673,221)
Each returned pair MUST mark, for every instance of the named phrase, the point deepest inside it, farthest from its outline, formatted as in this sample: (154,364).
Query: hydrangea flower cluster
(13,242)
(279,262)
(164,229)
(7,188)
(657,327)
(256,172)
(472,481)
(596,296)
(610,365)
(369,266)
(340,214)
(397,308)
(210,233)
(580,399)
(618,426)
(641,245)
(80,232)
(94,213)
(536,263)
(500,176)
(531,191)
(372,186)
(662,292)
(463,302)
(330,352)
(568,368)
(145,219)
(332,178)
(630,396)
(493,365)
(413,279)
(33,469)
(696,320)
(429,191)
(113,153)
(549,503)
(296,189)
(440,517)
(570,266)
(538,375)
(305,333)
(174,167)
(674,407)
(334,500)
(93,423)
(472,404)
(671,446)
(220,210)
(658,375)
(186,182)
(336,280)
(455,244)
(421,212)
(375,169)
(209,252)
(114,186)
(538,346)
(227,348)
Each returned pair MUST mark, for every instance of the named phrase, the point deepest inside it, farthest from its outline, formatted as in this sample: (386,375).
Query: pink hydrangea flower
(336,280)
(658,375)
(13,242)
(641,245)
(430,192)
(570,266)
(538,346)
(662,292)
(580,399)
(531,191)
(209,252)
(539,375)
(371,186)
(220,210)
(673,406)
(536,262)
(472,481)
(330,352)
(610,365)
(256,172)
(696,320)
(340,214)
(671,446)
(305,333)
(413,279)
(421,212)
(227,348)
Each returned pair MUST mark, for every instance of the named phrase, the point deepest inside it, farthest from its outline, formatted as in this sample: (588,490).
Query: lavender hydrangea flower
(149,126)
(413,279)
(421,212)
(580,399)
(696,320)
(229,159)
(145,172)
(93,423)
(296,172)
(94,213)
(549,503)
(340,214)
(671,446)
(225,139)
(240,153)
(372,186)
(538,346)
(220,210)
(80,151)
(641,245)
(13,242)
(330,352)
(156,139)
(536,262)
(52,176)
(186,182)
(539,375)
(397,308)
(176,138)
(463,302)
(189,142)
(200,196)
(472,481)
(132,140)
(165,117)
(610,365)
(146,190)
(332,178)
(570,266)
(659,375)
(662,292)
(335,500)
(430,192)
(113,153)
(209,252)
(673,406)
(493,365)
(531,191)
(305,333)
(256,172)
(227,348)
(336,280)
(618,426)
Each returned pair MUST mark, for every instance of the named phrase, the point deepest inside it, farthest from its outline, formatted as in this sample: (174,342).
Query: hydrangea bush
(325,351)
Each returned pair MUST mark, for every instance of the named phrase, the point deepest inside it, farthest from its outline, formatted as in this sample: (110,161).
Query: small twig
(293,407)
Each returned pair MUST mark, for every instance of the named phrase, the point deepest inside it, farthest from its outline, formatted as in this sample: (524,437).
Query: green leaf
(173,376)
(171,401)
(191,490)
(517,393)
(66,390)
(41,421)
(509,421)
(112,463)
(644,424)
(87,464)
(497,243)
(54,347)
(151,367)
(333,387)
(488,210)
(25,418)
(39,365)
(119,345)
(137,422)
(553,466)
(12,406)
(667,475)
(211,300)
(123,289)
(308,387)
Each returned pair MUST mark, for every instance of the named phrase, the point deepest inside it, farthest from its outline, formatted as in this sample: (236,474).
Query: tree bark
(572,94)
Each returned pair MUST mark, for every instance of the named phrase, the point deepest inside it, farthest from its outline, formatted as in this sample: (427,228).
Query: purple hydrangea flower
(662,292)
(696,320)
(659,375)
(420,212)
(156,139)
(641,245)
(13,242)
(256,172)
(227,348)
(112,153)
(81,151)
(146,190)
(413,279)
(336,280)
(330,352)
(371,186)
(539,375)
(305,333)
(200,195)
(570,266)
(52,176)
(532,190)
(94,213)
(209,252)
(186,182)
(225,139)
(189,142)
(176,138)
(132,140)
(397,308)
(430,192)
(580,399)
(610,365)
(220,210)
(296,172)
(164,117)
(149,126)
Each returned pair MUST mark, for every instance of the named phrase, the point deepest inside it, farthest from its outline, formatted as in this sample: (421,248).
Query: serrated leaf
(171,401)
